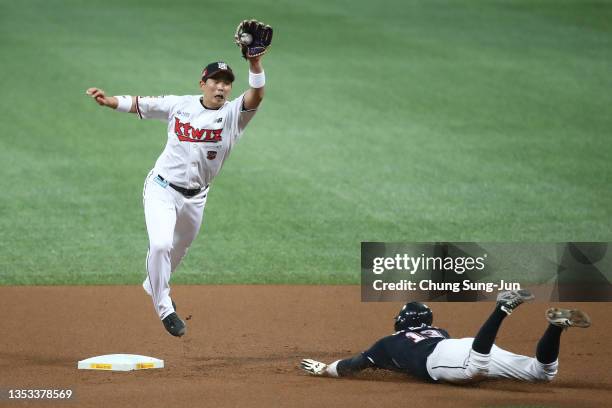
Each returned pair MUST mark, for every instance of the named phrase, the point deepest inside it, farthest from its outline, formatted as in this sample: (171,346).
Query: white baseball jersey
(199,139)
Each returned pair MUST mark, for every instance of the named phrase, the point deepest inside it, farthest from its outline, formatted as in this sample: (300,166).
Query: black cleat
(568,318)
(512,299)
(174,325)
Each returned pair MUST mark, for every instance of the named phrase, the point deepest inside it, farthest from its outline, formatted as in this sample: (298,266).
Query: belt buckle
(192,193)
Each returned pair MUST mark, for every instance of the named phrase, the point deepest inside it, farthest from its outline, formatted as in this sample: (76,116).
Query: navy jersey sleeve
(377,354)
(353,365)
(361,361)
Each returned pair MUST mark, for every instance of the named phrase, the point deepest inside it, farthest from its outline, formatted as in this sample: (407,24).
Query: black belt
(187,192)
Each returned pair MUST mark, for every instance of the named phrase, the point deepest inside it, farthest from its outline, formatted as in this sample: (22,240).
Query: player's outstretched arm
(253,38)
(254,96)
(121,103)
(339,368)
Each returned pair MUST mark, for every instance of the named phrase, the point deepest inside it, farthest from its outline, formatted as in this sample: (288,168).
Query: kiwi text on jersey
(187,133)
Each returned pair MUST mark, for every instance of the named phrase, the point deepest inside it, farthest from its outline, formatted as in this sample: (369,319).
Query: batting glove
(313,367)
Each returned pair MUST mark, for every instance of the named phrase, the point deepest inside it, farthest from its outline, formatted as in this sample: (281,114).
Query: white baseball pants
(173,222)
(453,360)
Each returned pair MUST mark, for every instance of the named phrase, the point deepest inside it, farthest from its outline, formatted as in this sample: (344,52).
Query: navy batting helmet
(413,315)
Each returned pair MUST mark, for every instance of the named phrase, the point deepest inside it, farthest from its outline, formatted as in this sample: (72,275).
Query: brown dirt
(244,343)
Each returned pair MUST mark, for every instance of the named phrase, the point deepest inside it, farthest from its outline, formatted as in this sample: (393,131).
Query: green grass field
(383,121)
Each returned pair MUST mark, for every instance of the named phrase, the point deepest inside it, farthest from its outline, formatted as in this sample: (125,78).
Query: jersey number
(423,334)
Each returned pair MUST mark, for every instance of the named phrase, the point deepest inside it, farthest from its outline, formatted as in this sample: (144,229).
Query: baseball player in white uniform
(428,353)
(201,130)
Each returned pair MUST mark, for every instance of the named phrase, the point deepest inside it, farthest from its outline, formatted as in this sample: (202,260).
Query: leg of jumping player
(160,216)
(188,221)
(187,227)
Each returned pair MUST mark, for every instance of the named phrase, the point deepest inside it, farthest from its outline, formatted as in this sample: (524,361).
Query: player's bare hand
(313,367)
(99,96)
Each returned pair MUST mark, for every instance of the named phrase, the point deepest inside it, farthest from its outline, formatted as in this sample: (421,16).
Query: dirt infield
(244,343)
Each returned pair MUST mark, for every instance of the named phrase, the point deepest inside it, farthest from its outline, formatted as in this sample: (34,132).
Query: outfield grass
(383,121)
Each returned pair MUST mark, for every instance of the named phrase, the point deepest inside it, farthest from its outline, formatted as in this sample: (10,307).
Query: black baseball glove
(253,38)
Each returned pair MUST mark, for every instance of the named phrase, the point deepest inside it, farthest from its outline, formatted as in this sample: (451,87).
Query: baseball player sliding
(428,353)
(202,130)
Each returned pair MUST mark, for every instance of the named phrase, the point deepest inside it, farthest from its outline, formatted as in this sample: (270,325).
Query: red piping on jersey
(138,108)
